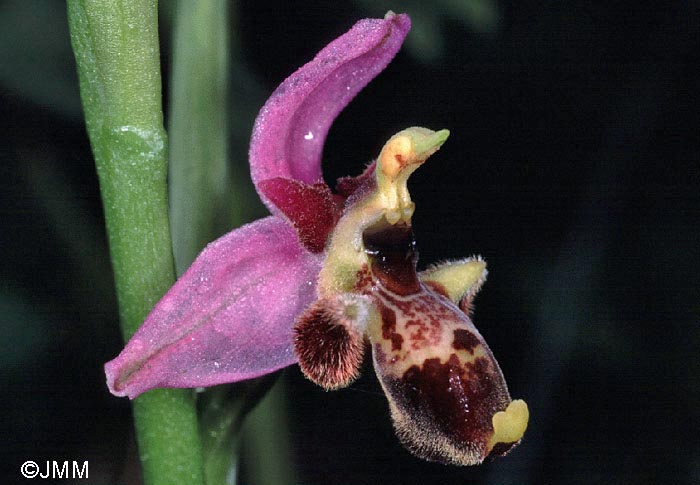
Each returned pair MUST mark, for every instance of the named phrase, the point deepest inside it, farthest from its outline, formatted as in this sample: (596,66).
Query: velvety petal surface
(313,210)
(228,318)
(291,128)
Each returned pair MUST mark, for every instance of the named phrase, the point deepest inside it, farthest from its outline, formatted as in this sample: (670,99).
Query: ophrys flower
(330,271)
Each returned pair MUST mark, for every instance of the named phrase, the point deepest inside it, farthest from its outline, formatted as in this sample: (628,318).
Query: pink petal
(291,128)
(228,318)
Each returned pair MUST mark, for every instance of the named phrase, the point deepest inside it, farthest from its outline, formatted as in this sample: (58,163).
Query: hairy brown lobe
(329,349)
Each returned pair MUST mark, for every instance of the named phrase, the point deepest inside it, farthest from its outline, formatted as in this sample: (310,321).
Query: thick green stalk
(198,130)
(116,49)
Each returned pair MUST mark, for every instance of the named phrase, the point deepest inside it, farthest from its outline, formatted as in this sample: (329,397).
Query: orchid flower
(330,273)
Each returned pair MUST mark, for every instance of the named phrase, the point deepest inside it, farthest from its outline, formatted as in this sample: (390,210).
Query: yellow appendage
(509,425)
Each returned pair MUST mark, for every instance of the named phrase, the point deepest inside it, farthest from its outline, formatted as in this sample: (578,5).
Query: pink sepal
(291,128)
(228,318)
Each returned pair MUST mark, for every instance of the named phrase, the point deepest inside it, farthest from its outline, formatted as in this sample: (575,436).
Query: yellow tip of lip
(510,425)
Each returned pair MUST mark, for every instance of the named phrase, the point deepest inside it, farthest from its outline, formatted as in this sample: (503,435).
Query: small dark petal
(347,186)
(312,209)
(330,349)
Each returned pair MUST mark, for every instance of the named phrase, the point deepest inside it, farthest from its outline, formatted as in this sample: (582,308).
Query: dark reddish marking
(330,352)
(417,335)
(426,306)
(379,354)
(424,314)
(392,254)
(389,327)
(363,280)
(312,209)
(405,307)
(458,399)
(464,339)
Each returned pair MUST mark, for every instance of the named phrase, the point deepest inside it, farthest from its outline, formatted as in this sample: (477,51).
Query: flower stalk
(198,130)
(115,43)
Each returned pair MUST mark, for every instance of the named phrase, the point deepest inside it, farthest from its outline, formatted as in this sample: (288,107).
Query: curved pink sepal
(228,318)
(291,128)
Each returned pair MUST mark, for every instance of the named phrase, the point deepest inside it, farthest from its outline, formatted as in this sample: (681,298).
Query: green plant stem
(116,49)
(266,440)
(198,131)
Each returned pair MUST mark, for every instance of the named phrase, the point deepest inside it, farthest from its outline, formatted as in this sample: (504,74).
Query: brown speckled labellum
(447,395)
(443,384)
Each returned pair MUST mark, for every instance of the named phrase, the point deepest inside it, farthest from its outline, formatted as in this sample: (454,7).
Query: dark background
(572,167)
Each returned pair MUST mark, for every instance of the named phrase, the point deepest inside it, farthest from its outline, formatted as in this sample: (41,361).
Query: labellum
(448,398)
